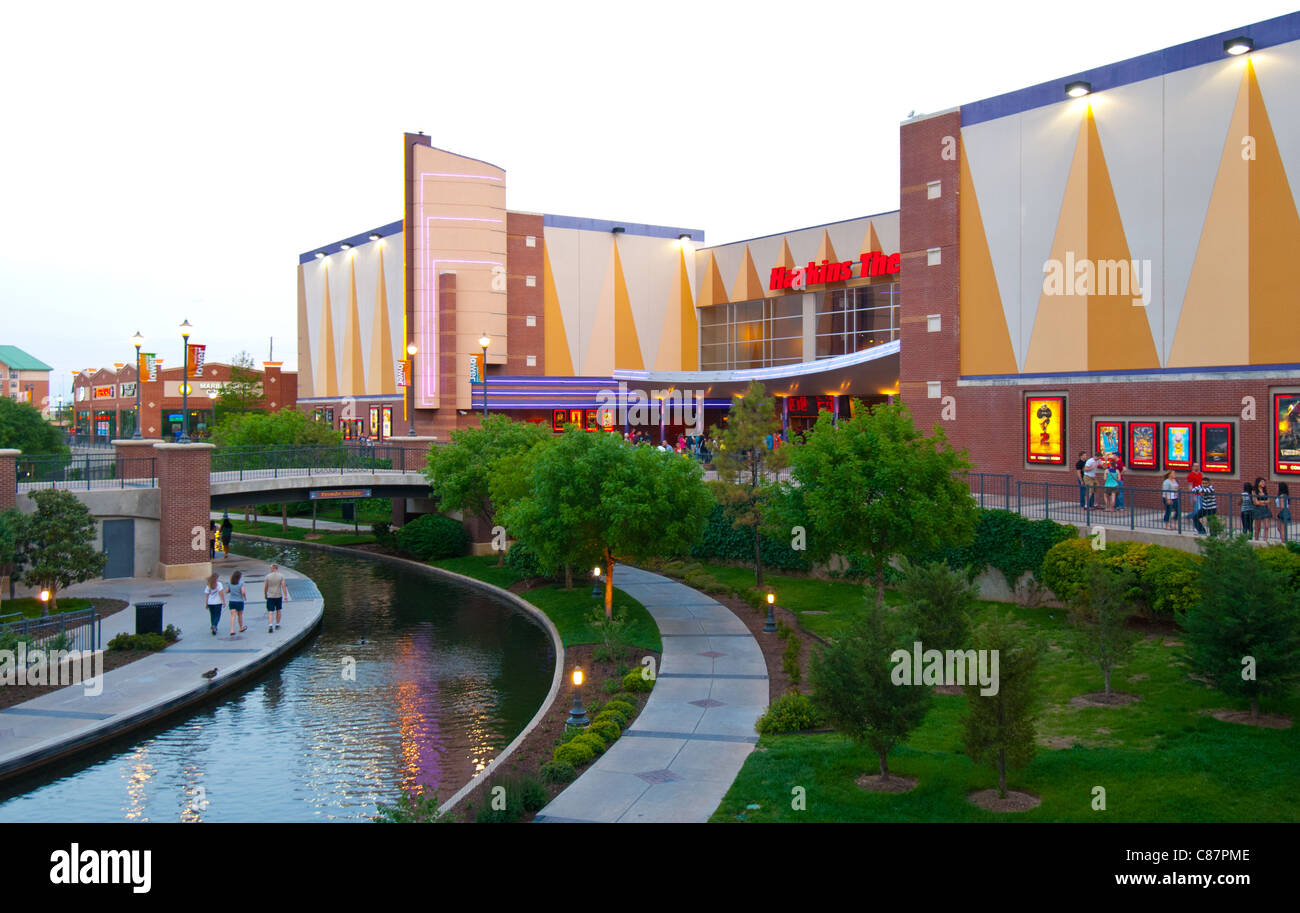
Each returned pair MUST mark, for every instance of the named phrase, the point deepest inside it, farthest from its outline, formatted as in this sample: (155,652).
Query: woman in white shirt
(214,595)
(238,596)
(1169,494)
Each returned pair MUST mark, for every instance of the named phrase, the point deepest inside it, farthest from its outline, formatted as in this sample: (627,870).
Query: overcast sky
(167,162)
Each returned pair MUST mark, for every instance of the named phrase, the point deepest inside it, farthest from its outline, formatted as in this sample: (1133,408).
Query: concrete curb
(519,602)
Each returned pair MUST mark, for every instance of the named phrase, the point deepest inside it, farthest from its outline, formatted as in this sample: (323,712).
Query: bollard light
(595,581)
(578,715)
(769,627)
(45,595)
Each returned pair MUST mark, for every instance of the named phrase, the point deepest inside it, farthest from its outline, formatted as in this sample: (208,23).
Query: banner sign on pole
(400,373)
(196,359)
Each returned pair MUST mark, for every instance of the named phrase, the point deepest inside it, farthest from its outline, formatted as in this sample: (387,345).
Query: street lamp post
(578,713)
(411,351)
(769,627)
(185,383)
(483,342)
(138,340)
(595,582)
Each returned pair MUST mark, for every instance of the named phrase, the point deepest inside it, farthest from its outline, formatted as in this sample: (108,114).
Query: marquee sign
(808,406)
(871,264)
(105,392)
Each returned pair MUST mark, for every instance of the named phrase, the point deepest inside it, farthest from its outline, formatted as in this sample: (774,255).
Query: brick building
(25,378)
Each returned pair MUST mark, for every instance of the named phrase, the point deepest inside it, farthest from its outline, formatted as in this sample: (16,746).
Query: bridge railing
(85,471)
(78,630)
(231,464)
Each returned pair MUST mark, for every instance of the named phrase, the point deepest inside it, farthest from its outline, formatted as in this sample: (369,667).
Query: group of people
(1261,511)
(696,445)
(216,595)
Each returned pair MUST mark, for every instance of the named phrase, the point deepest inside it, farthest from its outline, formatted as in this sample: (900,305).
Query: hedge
(433,536)
(724,541)
(1013,544)
(1168,577)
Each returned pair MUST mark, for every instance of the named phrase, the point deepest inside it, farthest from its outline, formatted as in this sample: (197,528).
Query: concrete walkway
(55,724)
(680,756)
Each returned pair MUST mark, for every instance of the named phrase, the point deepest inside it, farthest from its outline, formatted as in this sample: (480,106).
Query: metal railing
(95,441)
(232,464)
(1127,506)
(85,472)
(79,630)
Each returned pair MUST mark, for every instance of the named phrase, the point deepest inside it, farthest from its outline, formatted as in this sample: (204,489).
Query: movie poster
(1144,445)
(1180,445)
(1216,447)
(1045,430)
(1110,438)
(1286,432)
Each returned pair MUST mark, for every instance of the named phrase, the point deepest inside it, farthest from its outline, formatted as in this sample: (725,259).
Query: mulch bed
(773,647)
(988,800)
(892,784)
(1101,699)
(1264,720)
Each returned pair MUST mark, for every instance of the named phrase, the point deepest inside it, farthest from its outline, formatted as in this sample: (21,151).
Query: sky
(163,162)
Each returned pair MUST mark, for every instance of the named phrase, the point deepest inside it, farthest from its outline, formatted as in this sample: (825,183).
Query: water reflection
(444,678)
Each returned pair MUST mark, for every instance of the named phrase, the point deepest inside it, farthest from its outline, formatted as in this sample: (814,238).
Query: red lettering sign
(871,264)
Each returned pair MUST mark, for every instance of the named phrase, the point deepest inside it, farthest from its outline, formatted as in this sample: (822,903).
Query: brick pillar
(9,478)
(185,481)
(136,458)
(151,402)
(273,386)
(415,451)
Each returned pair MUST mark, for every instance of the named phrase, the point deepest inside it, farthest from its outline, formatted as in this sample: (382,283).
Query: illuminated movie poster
(1216,447)
(1286,432)
(1045,430)
(1180,445)
(1144,445)
(1110,438)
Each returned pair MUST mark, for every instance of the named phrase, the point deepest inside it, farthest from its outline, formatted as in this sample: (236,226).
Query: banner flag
(400,372)
(476,368)
(196,360)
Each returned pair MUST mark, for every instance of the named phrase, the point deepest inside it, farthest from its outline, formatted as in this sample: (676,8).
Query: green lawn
(30,606)
(273,529)
(1161,759)
(569,610)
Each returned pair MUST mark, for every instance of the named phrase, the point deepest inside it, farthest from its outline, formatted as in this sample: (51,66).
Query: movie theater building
(597,322)
(1107,260)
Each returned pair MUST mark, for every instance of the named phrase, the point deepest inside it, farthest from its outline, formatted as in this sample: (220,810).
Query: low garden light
(578,715)
(45,595)
(769,626)
(595,582)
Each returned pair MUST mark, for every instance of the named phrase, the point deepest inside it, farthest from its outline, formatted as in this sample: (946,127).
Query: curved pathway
(679,757)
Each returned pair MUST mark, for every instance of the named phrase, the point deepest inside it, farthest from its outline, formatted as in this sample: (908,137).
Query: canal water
(445,676)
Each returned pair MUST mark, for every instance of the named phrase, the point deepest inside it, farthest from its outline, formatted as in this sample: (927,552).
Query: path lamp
(45,603)
(595,582)
(483,342)
(137,340)
(212,395)
(185,383)
(578,715)
(769,626)
(411,351)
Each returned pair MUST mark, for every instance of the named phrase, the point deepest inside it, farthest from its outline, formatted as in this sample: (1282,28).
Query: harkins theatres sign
(872,264)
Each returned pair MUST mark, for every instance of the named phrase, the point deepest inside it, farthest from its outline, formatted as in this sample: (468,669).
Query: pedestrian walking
(1111,485)
(238,596)
(227,530)
(1263,512)
(1169,494)
(1247,508)
(1194,480)
(212,540)
(1091,473)
(1119,477)
(214,596)
(1207,505)
(1283,508)
(1079,465)
(275,592)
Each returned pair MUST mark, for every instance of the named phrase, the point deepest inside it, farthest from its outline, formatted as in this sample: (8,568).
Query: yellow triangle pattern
(306,378)
(985,340)
(328,385)
(871,242)
(747,286)
(380,378)
(690,325)
(825,250)
(557,357)
(354,377)
(712,289)
(627,345)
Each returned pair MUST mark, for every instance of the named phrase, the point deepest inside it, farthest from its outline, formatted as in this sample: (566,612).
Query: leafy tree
(56,544)
(937,602)
(243,392)
(741,462)
(1100,616)
(460,473)
(22,427)
(285,428)
(1244,632)
(999,728)
(876,486)
(417,807)
(591,497)
(11,532)
(854,691)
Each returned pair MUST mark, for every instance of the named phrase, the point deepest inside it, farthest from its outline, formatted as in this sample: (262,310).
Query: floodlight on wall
(1078,88)
(684,236)
(320,255)
(1239,45)
(345,246)
(374,236)
(617,230)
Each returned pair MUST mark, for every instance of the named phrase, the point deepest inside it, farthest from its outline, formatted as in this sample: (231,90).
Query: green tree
(1243,634)
(1100,616)
(937,602)
(590,497)
(11,533)
(460,473)
(56,544)
(999,728)
(876,486)
(853,687)
(285,428)
(243,392)
(23,428)
(742,462)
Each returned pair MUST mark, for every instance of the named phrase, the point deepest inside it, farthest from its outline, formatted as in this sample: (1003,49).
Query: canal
(410,680)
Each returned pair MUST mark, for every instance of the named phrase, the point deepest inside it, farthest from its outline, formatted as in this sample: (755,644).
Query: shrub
(627,709)
(592,740)
(723,540)
(791,712)
(612,716)
(418,808)
(383,531)
(608,730)
(1065,568)
(524,561)
(574,753)
(790,660)
(557,772)
(634,682)
(171,634)
(624,698)
(1011,543)
(126,641)
(1286,561)
(433,536)
(1172,579)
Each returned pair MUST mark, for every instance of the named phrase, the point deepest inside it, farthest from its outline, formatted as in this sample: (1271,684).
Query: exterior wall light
(1078,88)
(1239,45)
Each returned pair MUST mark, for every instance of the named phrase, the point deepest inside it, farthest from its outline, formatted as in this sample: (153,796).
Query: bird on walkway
(210,673)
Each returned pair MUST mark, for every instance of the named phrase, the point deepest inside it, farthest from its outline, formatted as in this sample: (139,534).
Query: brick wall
(184,480)
(521,300)
(8,479)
